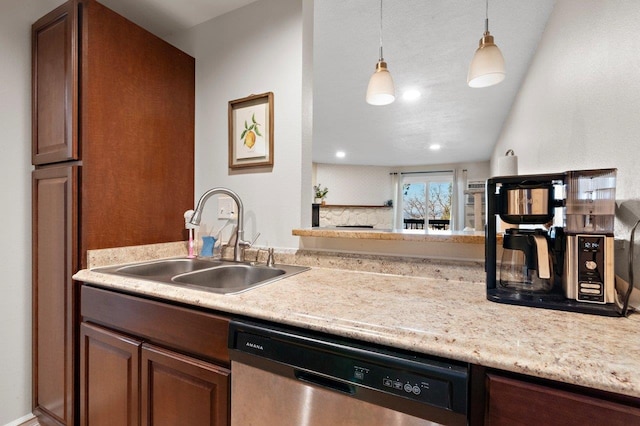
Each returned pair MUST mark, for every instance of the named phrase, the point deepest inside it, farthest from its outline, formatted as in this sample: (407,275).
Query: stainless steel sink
(167,267)
(217,276)
(230,278)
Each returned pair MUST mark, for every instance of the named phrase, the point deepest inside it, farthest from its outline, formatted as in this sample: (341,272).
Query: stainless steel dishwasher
(287,377)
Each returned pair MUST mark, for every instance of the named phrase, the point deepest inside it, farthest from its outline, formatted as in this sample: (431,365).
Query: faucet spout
(197,216)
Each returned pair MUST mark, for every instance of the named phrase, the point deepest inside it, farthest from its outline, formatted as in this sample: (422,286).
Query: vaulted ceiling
(428,46)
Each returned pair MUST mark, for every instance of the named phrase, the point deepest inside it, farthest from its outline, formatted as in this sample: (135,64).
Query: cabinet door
(54,260)
(517,402)
(109,378)
(178,390)
(55,88)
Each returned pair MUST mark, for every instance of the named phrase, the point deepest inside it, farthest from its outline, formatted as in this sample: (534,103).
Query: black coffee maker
(540,261)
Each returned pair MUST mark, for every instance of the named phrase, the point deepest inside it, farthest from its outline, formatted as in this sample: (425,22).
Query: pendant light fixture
(487,66)
(381,90)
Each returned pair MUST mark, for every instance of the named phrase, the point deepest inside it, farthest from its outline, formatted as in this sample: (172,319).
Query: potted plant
(320,193)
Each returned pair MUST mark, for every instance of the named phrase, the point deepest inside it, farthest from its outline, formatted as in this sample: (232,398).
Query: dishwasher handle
(325,382)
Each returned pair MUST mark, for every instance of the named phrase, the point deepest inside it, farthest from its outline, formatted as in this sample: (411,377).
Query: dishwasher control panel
(412,385)
(347,366)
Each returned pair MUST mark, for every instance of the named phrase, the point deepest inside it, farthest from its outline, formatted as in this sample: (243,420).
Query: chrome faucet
(197,215)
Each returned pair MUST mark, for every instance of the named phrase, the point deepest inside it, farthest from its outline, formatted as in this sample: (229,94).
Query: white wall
(372,185)
(252,50)
(579,105)
(355,185)
(478,170)
(16,17)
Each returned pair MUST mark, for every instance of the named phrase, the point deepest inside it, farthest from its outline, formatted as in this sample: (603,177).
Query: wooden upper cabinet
(55,86)
(121,100)
(137,133)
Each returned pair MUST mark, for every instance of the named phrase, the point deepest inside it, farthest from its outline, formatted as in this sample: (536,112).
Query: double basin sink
(213,275)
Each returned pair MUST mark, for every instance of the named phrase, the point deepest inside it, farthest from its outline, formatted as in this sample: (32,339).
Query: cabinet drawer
(198,333)
(517,402)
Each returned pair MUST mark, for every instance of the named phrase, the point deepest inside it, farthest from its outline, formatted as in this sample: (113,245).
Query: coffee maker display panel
(590,269)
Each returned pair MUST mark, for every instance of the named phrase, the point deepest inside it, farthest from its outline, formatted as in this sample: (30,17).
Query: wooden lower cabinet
(151,362)
(179,390)
(124,381)
(109,382)
(53,293)
(514,402)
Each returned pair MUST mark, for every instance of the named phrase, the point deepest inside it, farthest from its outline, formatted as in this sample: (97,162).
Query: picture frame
(251,131)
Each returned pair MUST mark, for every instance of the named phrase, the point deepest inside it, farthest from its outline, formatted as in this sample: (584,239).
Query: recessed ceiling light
(341,154)
(434,147)
(411,95)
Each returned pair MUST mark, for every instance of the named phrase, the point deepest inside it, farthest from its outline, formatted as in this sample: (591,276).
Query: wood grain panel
(137,135)
(512,402)
(180,390)
(187,330)
(54,211)
(54,92)
(109,383)
(121,101)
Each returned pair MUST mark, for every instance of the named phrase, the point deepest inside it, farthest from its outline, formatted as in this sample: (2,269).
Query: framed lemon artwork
(251,131)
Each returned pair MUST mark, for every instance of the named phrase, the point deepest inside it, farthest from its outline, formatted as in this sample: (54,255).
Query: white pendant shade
(381,90)
(487,66)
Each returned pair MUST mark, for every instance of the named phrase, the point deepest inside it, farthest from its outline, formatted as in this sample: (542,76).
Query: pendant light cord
(486,18)
(381,57)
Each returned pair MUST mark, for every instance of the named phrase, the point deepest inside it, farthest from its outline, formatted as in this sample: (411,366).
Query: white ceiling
(166,17)
(428,46)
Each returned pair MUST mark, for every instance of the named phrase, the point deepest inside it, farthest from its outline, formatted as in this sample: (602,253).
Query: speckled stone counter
(459,245)
(444,317)
(423,235)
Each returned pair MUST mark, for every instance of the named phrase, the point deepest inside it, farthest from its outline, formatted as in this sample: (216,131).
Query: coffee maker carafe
(526,266)
(557,241)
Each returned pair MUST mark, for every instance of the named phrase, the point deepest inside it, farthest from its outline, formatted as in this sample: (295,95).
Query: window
(427,200)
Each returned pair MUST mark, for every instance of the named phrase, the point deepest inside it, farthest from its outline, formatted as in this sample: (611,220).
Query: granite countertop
(443,317)
(422,235)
